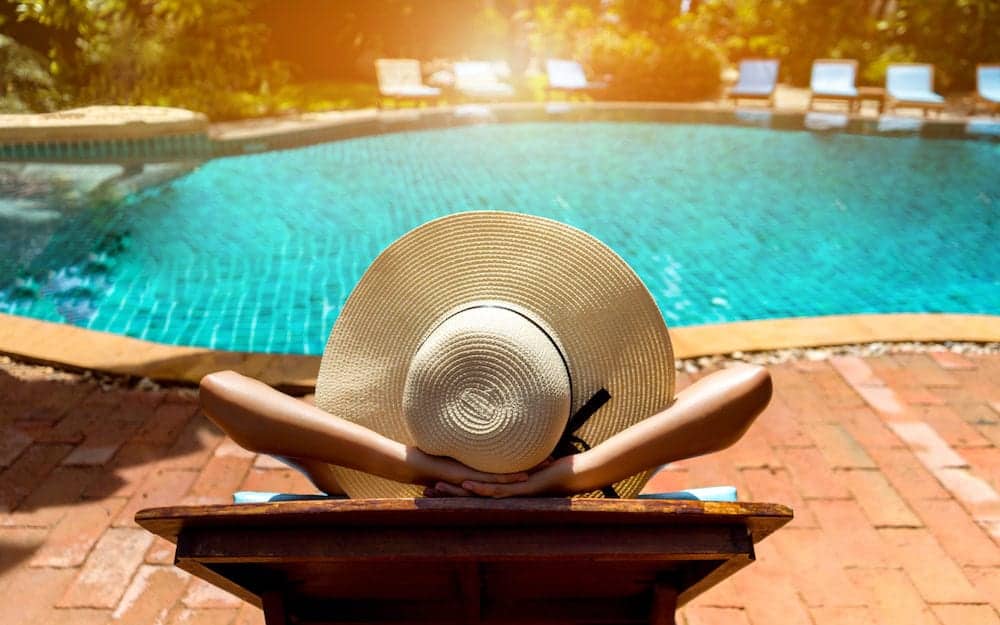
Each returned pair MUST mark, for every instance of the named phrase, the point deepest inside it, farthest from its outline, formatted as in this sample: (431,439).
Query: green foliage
(644,67)
(794,31)
(633,44)
(954,35)
(233,58)
(315,97)
(199,54)
(26,84)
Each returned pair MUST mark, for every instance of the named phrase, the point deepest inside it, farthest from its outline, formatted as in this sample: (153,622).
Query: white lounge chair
(400,79)
(567,75)
(757,80)
(911,85)
(988,86)
(833,79)
(481,80)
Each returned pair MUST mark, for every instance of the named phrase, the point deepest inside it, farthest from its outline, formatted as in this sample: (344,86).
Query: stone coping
(58,136)
(95,123)
(78,348)
(263,135)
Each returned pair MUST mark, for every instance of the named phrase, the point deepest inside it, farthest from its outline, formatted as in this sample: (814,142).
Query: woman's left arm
(711,414)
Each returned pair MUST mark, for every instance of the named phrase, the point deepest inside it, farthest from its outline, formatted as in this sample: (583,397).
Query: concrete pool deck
(81,349)
(891,464)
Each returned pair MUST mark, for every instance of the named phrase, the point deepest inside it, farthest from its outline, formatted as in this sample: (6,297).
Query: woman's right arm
(265,420)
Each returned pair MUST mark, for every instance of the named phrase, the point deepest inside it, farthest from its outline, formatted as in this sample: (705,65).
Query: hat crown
(490,388)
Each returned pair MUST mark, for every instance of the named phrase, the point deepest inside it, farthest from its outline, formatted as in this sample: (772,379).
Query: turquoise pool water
(258,253)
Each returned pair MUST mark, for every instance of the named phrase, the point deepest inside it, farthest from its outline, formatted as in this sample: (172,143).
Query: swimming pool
(723,223)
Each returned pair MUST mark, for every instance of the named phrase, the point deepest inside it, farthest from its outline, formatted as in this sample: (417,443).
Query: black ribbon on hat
(569,443)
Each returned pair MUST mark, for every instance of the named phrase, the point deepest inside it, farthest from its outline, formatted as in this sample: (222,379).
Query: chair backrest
(833,75)
(565,74)
(398,73)
(988,79)
(472,73)
(758,73)
(909,78)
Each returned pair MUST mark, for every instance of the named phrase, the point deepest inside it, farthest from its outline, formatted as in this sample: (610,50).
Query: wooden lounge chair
(482,80)
(568,76)
(757,81)
(400,79)
(833,79)
(466,560)
(988,87)
(911,85)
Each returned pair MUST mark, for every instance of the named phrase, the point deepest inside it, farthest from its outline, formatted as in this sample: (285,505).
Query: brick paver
(892,464)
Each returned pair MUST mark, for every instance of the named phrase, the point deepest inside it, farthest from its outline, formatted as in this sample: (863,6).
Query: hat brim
(609,328)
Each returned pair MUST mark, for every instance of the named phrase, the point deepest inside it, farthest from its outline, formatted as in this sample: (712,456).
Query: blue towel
(709,493)
(712,493)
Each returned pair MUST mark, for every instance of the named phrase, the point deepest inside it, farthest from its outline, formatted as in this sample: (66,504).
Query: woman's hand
(559,477)
(434,471)
(552,477)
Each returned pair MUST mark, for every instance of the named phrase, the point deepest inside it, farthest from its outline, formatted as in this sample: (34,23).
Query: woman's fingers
(487,489)
(555,478)
(491,478)
(444,489)
(511,478)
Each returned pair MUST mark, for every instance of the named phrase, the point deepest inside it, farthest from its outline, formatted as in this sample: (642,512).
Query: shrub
(674,66)
(632,45)
(26,84)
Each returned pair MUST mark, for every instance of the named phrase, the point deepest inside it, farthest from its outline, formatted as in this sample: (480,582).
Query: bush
(633,45)
(203,55)
(26,83)
(675,66)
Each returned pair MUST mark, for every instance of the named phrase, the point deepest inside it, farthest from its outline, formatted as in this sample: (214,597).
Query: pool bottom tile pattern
(258,253)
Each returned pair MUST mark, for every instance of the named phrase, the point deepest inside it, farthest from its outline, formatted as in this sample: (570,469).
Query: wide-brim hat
(481,335)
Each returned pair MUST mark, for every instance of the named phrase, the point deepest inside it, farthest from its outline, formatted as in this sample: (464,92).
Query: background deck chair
(757,80)
(988,87)
(911,85)
(482,80)
(400,79)
(833,79)
(568,76)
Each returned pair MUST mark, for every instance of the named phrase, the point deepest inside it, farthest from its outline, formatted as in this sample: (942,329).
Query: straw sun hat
(497,339)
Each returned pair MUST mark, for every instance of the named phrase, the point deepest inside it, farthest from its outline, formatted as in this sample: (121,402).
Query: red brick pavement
(891,463)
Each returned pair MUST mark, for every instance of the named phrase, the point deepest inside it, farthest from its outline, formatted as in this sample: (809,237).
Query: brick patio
(891,463)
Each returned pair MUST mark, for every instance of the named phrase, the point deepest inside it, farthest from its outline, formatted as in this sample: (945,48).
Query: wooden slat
(225,583)
(359,544)
(541,612)
(467,560)
(762,518)
(470,591)
(664,604)
(702,582)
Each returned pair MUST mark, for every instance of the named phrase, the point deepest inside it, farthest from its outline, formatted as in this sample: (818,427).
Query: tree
(200,54)
(955,35)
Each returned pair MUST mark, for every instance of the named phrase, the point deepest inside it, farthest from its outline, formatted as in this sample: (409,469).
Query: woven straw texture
(489,388)
(587,298)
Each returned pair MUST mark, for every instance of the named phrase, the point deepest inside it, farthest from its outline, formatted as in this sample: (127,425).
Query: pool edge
(76,348)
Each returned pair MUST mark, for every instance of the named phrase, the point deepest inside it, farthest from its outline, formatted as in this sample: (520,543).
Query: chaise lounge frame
(768,97)
(992,106)
(851,100)
(892,103)
(466,560)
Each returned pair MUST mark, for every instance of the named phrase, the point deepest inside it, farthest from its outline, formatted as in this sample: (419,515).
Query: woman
(492,354)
